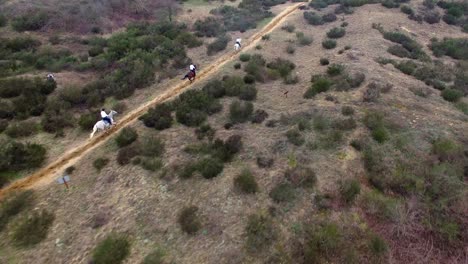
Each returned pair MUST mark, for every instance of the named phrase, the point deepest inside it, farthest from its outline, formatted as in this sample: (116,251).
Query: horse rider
(193,68)
(106,117)
(50,77)
(238,42)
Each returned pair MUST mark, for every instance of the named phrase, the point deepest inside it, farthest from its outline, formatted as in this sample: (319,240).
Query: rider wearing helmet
(105,117)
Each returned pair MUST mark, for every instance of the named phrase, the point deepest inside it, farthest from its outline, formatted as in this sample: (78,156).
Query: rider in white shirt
(192,68)
(238,41)
(105,117)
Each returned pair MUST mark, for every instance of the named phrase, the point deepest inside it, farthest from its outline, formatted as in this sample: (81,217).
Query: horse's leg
(94,131)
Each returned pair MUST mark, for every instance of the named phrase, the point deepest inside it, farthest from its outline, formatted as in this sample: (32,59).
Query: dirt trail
(47,174)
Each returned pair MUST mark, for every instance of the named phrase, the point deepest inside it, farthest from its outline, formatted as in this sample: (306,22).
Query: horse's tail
(94,131)
(185,77)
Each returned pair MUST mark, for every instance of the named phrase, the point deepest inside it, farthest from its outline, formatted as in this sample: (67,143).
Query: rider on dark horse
(191,75)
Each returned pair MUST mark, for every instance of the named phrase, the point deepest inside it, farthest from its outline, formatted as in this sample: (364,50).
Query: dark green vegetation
(112,250)
(13,205)
(455,48)
(260,232)
(32,229)
(189,220)
(245,182)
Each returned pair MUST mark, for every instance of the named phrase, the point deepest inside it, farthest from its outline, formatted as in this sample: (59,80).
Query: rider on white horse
(238,45)
(50,77)
(106,117)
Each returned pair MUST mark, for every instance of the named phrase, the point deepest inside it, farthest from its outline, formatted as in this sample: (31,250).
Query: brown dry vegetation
(403,212)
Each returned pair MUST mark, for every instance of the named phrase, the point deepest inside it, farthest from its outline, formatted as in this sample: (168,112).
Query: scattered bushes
(349,189)
(301,177)
(158,117)
(210,27)
(16,156)
(100,163)
(322,84)
(30,22)
(260,232)
(313,19)
(288,28)
(126,154)
(379,205)
(375,122)
(336,32)
(329,44)
(455,48)
(126,137)
(246,182)
(209,167)
(33,229)
(22,129)
(283,192)
(189,220)
(218,45)
(295,137)
(13,205)
(240,112)
(112,250)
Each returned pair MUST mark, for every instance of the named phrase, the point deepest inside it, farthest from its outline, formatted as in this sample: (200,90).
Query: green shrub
(189,116)
(218,45)
(377,245)
(380,134)
(432,17)
(210,27)
(30,22)
(462,106)
(152,164)
(445,149)
(188,170)
(156,256)
(452,95)
(330,17)
(407,10)
(203,131)
(283,66)
(430,4)
(295,137)
(390,4)
(283,192)
(335,69)
(288,28)
(112,250)
(210,167)
(303,40)
(347,110)
(301,177)
(237,66)
(22,44)
(313,19)
(14,204)
(240,112)
(379,205)
(249,79)
(336,32)
(95,51)
(245,182)
(230,87)
(290,49)
(22,129)
(244,57)
(349,189)
(87,120)
(16,156)
(3,21)
(329,44)
(407,67)
(33,229)
(291,79)
(248,92)
(319,86)
(159,117)
(266,37)
(260,232)
(324,61)
(189,220)
(126,137)
(3,125)
(100,163)
(126,154)
(323,241)
(356,144)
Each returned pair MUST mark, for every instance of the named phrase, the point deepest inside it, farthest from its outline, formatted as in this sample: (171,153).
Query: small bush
(218,45)
(304,40)
(356,144)
(301,177)
(203,131)
(249,79)
(16,156)
(380,134)
(3,21)
(407,10)
(248,92)
(323,241)
(313,19)
(87,121)
(336,32)
(126,137)
(377,245)
(349,189)
(259,116)
(452,95)
(152,146)
(329,44)
(290,49)
(319,86)
(335,69)
(330,17)
(265,162)
(244,57)
(156,256)
(189,220)
(291,79)
(240,112)
(188,170)
(210,167)
(288,28)
(151,164)
(100,163)
(432,17)
(112,250)
(379,205)
(283,192)
(445,149)
(246,182)
(13,204)
(455,48)
(347,110)
(33,229)
(295,137)
(324,61)
(407,67)
(30,22)
(266,37)
(126,154)
(430,4)
(237,66)
(260,232)
(22,129)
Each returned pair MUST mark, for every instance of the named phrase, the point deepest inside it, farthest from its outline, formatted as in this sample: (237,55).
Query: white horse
(102,125)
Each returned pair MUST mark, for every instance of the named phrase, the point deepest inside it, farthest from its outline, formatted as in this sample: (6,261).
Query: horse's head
(112,112)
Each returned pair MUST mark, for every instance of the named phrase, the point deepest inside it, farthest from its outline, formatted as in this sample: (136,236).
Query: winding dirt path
(48,174)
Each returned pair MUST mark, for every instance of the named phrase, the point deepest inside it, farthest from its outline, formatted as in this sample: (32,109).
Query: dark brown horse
(190,75)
